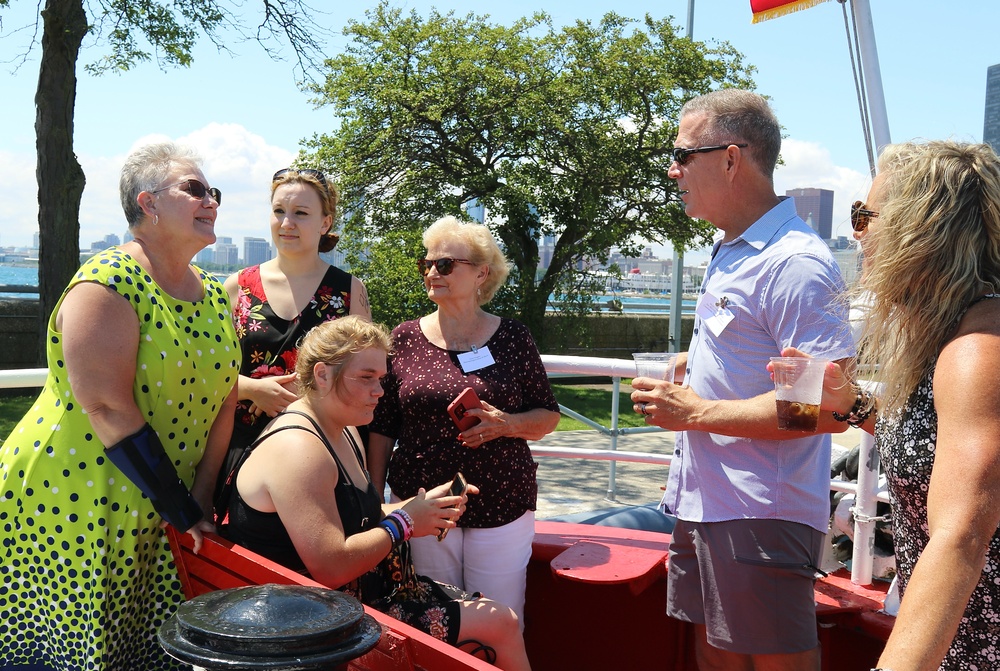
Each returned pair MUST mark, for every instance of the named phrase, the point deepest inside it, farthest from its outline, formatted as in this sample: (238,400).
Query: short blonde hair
(335,342)
(483,250)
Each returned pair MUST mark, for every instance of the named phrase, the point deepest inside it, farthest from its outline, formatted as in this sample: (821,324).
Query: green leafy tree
(388,266)
(131,32)
(563,132)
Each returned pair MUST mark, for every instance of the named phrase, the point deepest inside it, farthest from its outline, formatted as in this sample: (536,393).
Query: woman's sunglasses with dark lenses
(681,155)
(860,217)
(444,266)
(196,189)
(317,174)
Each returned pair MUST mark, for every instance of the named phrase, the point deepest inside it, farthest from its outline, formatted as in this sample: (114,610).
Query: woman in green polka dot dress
(141,351)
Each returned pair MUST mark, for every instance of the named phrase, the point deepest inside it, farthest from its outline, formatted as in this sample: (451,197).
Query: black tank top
(265,534)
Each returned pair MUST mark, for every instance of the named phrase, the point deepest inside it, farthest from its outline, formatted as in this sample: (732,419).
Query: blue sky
(247,116)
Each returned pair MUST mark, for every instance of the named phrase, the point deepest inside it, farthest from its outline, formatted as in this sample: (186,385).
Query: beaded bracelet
(856,416)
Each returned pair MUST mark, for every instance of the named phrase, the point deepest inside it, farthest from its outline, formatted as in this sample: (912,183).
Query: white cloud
(18,198)
(808,165)
(236,161)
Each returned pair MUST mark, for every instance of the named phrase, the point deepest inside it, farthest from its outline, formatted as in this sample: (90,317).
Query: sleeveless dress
(906,441)
(392,587)
(86,574)
(270,343)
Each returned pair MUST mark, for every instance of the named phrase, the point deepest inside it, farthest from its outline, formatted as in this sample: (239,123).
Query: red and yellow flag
(769,9)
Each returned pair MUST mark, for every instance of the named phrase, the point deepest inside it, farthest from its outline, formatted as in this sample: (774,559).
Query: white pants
(492,561)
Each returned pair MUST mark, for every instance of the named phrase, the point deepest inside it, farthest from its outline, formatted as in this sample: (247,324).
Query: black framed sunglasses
(861,217)
(444,266)
(681,155)
(195,189)
(312,172)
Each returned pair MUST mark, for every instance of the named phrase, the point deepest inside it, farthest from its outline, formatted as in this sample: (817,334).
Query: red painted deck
(596,600)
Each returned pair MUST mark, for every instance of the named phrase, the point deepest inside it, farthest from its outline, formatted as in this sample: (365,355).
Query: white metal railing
(865,490)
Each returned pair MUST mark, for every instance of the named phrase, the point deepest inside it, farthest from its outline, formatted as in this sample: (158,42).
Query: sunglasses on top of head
(444,266)
(312,172)
(195,189)
(861,217)
(682,155)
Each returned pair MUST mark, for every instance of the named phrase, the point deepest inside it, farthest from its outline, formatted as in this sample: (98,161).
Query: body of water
(631,304)
(18,276)
(658,304)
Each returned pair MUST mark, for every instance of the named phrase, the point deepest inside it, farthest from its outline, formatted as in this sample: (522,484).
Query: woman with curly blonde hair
(930,233)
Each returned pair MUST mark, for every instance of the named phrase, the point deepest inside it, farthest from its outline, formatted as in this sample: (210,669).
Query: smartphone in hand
(458,487)
(458,409)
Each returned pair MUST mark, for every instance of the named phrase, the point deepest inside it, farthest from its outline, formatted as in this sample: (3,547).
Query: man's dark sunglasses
(861,217)
(312,172)
(196,189)
(444,266)
(681,155)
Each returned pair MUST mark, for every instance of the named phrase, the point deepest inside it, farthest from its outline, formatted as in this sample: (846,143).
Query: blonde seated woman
(301,495)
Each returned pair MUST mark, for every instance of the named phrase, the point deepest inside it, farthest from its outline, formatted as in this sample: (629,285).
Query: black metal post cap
(275,627)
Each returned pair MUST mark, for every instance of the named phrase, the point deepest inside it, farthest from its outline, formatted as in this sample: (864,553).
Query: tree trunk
(59,175)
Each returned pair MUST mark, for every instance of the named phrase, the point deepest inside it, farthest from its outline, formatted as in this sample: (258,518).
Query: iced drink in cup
(798,386)
(657,365)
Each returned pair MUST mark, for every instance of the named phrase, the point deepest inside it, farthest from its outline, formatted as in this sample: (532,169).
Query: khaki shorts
(750,582)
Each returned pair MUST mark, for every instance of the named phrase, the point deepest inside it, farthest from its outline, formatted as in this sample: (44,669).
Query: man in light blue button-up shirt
(752,501)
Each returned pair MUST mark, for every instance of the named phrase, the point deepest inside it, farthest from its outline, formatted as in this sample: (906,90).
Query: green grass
(12,408)
(589,402)
(596,405)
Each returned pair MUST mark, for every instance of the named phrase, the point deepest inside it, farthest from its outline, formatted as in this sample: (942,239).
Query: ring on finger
(642,408)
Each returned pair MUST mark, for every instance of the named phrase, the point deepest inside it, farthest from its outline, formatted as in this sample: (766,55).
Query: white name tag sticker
(714,313)
(476,359)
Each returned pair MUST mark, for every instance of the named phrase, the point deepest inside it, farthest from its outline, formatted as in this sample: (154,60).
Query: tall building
(815,206)
(226,253)
(255,251)
(476,210)
(109,240)
(991,119)
(206,255)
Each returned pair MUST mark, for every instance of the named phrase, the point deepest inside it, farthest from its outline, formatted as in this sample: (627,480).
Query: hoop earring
(156,220)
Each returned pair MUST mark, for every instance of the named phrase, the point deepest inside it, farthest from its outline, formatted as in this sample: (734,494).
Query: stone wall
(18,334)
(617,335)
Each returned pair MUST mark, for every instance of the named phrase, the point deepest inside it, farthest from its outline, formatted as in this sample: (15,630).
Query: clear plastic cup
(798,387)
(657,365)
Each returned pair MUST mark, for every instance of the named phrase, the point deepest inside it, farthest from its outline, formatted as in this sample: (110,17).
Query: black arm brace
(143,461)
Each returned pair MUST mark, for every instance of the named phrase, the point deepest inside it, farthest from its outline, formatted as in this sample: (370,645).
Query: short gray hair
(739,116)
(146,168)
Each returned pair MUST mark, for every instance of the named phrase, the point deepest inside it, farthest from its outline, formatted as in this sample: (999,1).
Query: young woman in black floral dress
(930,233)
(277,302)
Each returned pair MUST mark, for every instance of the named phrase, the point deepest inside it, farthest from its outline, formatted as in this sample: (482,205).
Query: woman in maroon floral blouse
(460,345)
(278,301)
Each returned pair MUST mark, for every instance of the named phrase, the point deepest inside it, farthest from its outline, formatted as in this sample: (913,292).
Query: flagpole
(677,286)
(873,75)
